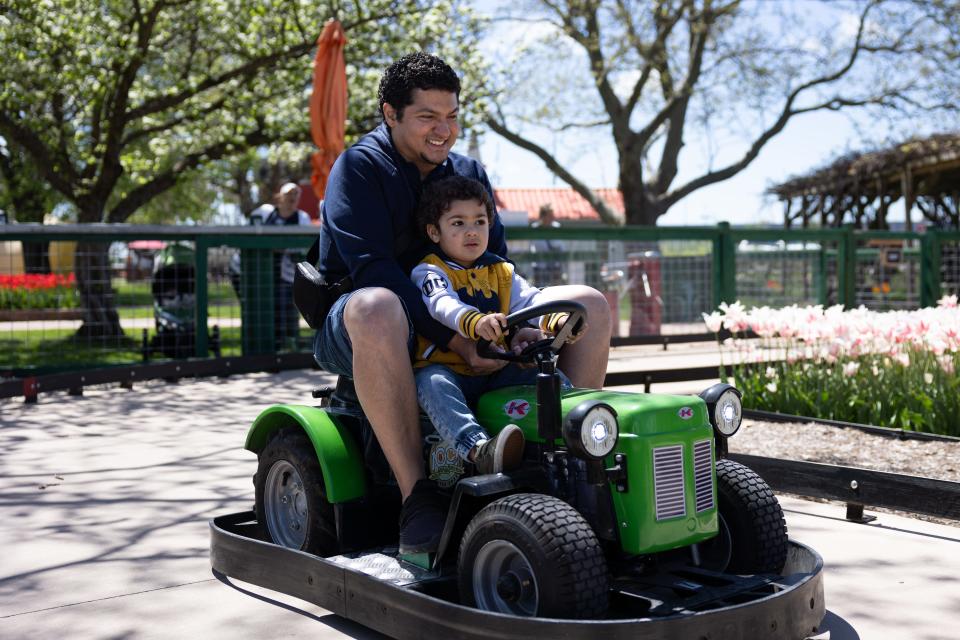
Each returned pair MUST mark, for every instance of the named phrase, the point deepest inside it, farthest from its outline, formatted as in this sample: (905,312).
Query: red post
(645,287)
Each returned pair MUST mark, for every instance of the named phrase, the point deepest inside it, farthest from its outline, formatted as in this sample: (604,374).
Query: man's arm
(498,239)
(362,229)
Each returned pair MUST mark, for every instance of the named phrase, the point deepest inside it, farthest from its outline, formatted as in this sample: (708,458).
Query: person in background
(547,267)
(283,212)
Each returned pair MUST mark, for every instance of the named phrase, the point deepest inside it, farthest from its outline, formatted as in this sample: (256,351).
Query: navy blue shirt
(368,230)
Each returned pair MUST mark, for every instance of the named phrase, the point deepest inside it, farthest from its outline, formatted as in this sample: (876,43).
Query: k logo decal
(686,413)
(517,408)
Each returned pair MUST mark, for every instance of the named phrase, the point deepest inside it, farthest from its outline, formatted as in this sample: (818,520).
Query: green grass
(56,349)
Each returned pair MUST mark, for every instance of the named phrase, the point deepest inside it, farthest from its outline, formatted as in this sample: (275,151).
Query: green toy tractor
(616,490)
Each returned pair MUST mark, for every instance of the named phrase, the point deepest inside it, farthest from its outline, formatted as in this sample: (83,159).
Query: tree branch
(607,215)
(786,113)
(56,170)
(168,179)
(133,136)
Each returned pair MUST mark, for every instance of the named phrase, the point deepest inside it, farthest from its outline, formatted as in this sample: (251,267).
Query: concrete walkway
(105,501)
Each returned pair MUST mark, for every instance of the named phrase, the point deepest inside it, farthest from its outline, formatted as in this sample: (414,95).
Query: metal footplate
(387,566)
(400,599)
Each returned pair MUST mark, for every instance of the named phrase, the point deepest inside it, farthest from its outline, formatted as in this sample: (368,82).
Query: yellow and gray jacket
(458,297)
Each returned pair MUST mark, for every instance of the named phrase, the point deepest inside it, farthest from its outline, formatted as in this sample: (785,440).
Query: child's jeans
(446,397)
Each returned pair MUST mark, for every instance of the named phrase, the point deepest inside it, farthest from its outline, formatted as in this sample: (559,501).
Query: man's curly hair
(439,196)
(415,71)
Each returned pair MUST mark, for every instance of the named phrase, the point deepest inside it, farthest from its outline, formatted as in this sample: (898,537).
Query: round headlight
(591,431)
(728,413)
(724,408)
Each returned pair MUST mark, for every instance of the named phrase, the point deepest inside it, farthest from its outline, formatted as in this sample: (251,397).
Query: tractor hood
(640,414)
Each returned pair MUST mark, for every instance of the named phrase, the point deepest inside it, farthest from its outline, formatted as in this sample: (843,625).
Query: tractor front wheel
(753,532)
(532,555)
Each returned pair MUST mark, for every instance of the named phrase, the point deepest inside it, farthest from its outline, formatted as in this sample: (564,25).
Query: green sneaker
(502,453)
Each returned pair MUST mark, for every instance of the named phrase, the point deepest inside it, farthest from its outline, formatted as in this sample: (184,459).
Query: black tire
(532,554)
(753,532)
(291,501)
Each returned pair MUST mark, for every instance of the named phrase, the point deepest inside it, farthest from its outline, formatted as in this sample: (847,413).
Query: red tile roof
(568,205)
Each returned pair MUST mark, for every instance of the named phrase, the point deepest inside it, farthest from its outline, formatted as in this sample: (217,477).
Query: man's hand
(467,349)
(574,336)
(524,337)
(490,327)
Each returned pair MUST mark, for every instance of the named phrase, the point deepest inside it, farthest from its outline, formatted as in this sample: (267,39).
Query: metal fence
(74,297)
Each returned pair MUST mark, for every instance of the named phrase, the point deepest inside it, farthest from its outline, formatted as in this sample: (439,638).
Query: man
(369,234)
(284,212)
(548,268)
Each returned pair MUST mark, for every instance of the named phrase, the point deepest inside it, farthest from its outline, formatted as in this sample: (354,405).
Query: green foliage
(923,395)
(116,102)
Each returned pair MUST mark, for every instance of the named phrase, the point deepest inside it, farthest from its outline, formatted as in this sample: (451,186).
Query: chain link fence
(93,296)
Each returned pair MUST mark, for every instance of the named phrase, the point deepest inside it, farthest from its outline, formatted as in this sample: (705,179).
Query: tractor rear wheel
(291,501)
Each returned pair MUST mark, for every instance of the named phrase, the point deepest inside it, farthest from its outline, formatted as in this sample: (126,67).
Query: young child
(469,290)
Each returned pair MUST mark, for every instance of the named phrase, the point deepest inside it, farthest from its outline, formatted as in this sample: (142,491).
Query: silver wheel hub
(503,580)
(285,505)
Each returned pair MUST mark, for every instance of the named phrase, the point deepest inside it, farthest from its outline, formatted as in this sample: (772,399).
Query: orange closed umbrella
(328,103)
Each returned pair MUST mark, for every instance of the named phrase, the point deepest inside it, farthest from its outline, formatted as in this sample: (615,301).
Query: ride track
(857,487)
(792,610)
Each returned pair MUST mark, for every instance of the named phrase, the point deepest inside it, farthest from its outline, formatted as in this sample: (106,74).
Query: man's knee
(375,312)
(598,310)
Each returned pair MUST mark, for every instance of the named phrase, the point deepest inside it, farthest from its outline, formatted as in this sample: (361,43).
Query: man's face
(428,129)
(463,231)
(287,202)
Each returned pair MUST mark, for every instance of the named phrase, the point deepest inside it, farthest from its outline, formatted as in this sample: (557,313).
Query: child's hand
(490,327)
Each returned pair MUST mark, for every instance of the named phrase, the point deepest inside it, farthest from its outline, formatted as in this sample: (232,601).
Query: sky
(808,142)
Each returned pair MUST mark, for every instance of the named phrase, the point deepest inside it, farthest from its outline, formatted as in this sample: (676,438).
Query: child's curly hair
(438,196)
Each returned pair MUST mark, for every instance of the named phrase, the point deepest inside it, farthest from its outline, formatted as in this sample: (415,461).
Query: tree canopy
(116,101)
(733,73)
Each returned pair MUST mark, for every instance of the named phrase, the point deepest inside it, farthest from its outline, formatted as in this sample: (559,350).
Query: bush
(895,368)
(38,291)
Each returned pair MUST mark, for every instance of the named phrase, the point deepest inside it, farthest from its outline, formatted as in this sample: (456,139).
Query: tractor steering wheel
(573,326)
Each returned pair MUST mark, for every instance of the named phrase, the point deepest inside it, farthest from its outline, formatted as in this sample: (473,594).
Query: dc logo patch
(686,413)
(517,408)
(433,285)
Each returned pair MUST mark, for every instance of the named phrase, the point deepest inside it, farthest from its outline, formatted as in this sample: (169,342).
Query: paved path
(105,501)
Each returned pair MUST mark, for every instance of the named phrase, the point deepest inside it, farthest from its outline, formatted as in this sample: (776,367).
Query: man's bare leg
(585,362)
(377,325)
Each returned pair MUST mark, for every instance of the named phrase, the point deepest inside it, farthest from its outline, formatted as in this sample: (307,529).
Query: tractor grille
(668,482)
(703,474)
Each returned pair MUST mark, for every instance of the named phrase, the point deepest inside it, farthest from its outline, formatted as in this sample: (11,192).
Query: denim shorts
(331,346)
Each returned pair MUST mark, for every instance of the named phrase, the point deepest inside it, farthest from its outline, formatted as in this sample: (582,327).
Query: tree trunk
(101,322)
(641,206)
(36,257)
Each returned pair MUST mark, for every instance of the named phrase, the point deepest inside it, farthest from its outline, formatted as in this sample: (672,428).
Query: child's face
(463,231)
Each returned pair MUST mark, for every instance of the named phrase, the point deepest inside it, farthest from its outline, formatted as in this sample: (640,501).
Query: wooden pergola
(859,188)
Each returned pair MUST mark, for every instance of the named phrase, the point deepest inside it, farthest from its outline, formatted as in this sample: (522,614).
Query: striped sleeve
(549,323)
(442,302)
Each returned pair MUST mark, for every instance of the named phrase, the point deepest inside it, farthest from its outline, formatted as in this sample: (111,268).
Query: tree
(116,101)
(733,72)
(25,197)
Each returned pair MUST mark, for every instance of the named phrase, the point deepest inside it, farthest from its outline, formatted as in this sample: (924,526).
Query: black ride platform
(406,602)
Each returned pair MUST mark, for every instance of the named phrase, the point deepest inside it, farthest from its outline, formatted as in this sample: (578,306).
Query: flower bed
(894,368)
(38,291)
